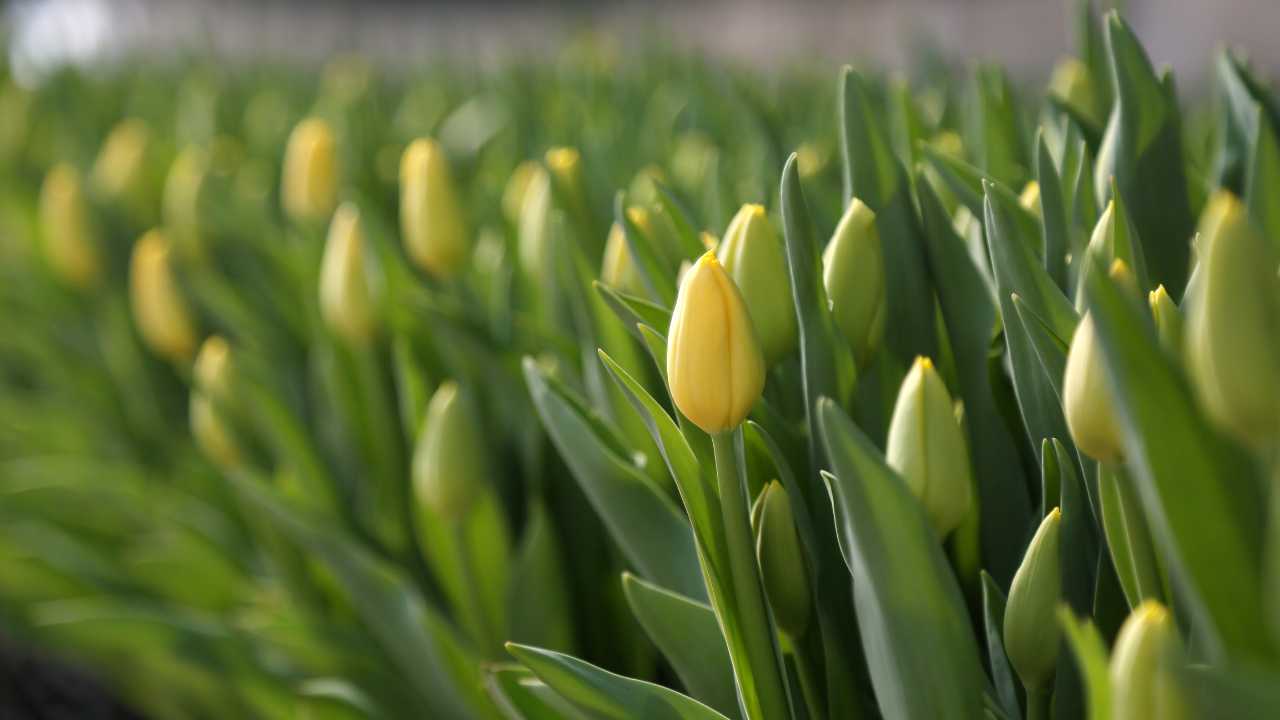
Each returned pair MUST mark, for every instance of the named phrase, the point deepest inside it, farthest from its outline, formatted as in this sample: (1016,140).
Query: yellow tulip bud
(715,368)
(431,219)
(853,272)
(533,232)
(1030,620)
(619,269)
(1087,400)
(211,433)
(642,189)
(1113,239)
(513,194)
(1030,198)
(69,245)
(159,309)
(753,256)
(346,299)
(1168,319)
(309,186)
(565,164)
(926,447)
(692,159)
(1233,327)
(212,368)
(449,463)
(181,201)
(119,166)
(782,563)
(1145,663)
(1072,86)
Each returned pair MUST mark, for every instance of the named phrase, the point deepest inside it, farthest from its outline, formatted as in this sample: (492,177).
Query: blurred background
(1027,35)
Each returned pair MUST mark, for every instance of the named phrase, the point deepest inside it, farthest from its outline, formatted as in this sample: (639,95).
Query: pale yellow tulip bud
(182,194)
(1072,86)
(431,219)
(450,469)
(1233,327)
(212,368)
(752,254)
(853,272)
(1145,667)
(619,269)
(1030,198)
(211,434)
(119,167)
(1168,319)
(514,192)
(309,186)
(1030,617)
(70,246)
(782,563)
(533,231)
(715,368)
(926,447)
(159,308)
(346,299)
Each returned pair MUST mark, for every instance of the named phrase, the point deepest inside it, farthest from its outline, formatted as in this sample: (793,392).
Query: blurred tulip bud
(1071,85)
(211,433)
(533,231)
(159,309)
(1168,319)
(811,160)
(119,167)
(853,272)
(1145,663)
(782,563)
(1114,238)
(449,463)
(1030,198)
(513,194)
(346,299)
(657,229)
(642,190)
(753,256)
(1030,620)
(565,164)
(1087,400)
(715,368)
(181,201)
(212,369)
(926,447)
(619,269)
(1233,327)
(70,247)
(692,158)
(309,186)
(431,219)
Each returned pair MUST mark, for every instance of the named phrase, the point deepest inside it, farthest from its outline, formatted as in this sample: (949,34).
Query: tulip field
(606,385)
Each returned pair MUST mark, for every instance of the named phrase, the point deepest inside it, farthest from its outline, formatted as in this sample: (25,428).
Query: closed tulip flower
(159,308)
(1030,621)
(1145,663)
(752,254)
(346,298)
(119,167)
(619,268)
(782,563)
(926,447)
(309,186)
(714,364)
(449,463)
(1168,319)
(853,272)
(69,245)
(431,219)
(182,195)
(1087,400)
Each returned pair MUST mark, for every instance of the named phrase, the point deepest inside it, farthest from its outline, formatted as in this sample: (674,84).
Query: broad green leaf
(996,137)
(651,531)
(1056,232)
(602,694)
(1050,349)
(632,310)
(389,606)
(1090,652)
(1129,538)
(909,606)
(1008,690)
(687,633)
(874,175)
(1242,691)
(538,603)
(1171,449)
(970,317)
(520,695)
(1262,183)
(961,178)
(681,218)
(648,261)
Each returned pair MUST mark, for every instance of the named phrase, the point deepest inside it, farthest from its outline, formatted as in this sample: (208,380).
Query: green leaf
(1239,691)
(874,175)
(998,140)
(1262,183)
(538,603)
(970,317)
(1054,216)
(687,633)
(520,695)
(681,218)
(392,610)
(1091,658)
(908,603)
(632,310)
(656,277)
(651,531)
(961,178)
(602,694)
(1078,555)
(1006,685)
(1170,450)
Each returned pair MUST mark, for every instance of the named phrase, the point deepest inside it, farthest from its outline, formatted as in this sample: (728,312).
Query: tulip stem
(1039,701)
(472,599)
(758,637)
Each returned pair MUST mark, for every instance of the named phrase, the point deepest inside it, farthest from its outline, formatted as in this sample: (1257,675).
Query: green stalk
(1040,701)
(810,688)
(758,637)
(470,602)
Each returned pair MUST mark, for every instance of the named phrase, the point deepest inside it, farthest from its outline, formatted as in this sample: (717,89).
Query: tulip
(753,256)
(212,368)
(781,558)
(1167,317)
(715,368)
(1030,198)
(517,186)
(1087,400)
(1145,663)
(181,200)
(211,434)
(346,299)
(119,167)
(926,447)
(450,468)
(1072,86)
(619,268)
(1233,327)
(1114,238)
(69,245)
(533,232)
(853,272)
(431,219)
(1030,623)
(309,186)
(159,309)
